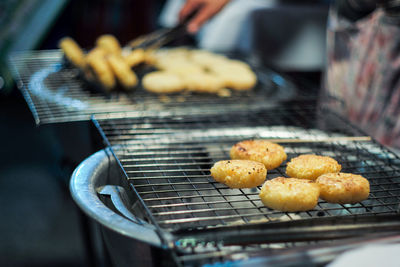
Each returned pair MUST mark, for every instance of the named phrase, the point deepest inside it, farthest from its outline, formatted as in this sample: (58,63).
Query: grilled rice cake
(290,194)
(163,82)
(343,188)
(239,173)
(311,166)
(270,154)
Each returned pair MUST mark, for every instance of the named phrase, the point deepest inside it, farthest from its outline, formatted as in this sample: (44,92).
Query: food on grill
(109,43)
(188,69)
(102,71)
(206,59)
(239,173)
(163,82)
(270,154)
(105,64)
(126,77)
(216,72)
(202,82)
(135,57)
(311,166)
(72,51)
(290,194)
(236,75)
(343,188)
(182,68)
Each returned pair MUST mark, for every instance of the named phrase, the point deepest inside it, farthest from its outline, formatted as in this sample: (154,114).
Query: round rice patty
(163,82)
(311,166)
(270,154)
(202,82)
(289,194)
(239,173)
(343,188)
(236,75)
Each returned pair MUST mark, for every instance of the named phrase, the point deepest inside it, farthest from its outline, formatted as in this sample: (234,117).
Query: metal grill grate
(54,94)
(168,162)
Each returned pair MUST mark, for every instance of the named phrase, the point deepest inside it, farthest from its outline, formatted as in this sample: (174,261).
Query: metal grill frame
(310,227)
(55,93)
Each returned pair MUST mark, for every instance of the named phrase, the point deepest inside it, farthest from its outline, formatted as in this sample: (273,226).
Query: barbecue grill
(56,93)
(152,187)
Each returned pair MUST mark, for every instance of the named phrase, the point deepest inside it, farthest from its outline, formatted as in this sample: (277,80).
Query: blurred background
(40,225)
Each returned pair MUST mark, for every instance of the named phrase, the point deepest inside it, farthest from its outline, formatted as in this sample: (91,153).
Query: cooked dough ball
(290,194)
(101,69)
(163,82)
(135,57)
(311,166)
(109,43)
(202,82)
(270,154)
(126,77)
(239,173)
(72,52)
(343,188)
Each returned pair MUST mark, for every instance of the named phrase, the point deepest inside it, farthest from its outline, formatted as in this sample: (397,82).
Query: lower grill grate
(168,165)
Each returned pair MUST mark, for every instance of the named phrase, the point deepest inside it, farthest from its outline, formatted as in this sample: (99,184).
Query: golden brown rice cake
(289,194)
(270,154)
(239,173)
(343,188)
(311,166)
(163,82)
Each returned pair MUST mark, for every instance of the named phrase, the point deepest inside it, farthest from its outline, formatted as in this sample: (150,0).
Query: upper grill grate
(55,94)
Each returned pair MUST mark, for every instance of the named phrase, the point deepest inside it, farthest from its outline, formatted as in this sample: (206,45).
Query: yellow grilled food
(290,194)
(126,77)
(343,188)
(311,166)
(270,154)
(109,43)
(163,82)
(72,52)
(239,173)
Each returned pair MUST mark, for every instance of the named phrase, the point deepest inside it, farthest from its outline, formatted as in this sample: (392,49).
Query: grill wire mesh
(55,93)
(168,161)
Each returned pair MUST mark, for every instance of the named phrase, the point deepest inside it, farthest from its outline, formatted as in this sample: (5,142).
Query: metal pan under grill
(55,93)
(166,177)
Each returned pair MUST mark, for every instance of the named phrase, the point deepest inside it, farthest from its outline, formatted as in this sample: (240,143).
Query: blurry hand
(205,9)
